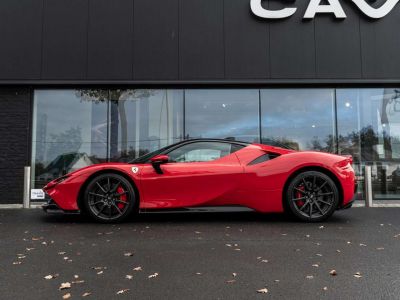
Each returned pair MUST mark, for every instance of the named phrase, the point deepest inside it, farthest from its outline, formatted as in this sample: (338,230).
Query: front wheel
(109,198)
(312,196)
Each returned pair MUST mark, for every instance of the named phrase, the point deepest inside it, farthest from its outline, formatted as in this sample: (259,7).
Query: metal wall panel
(338,53)
(20,39)
(65,32)
(380,44)
(201,39)
(156,39)
(110,39)
(292,43)
(246,42)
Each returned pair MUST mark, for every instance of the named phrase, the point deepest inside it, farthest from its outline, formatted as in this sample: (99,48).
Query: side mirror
(158,160)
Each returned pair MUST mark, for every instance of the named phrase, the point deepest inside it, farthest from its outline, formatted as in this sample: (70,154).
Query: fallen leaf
(228,245)
(78,281)
(48,277)
(29,249)
(100,272)
(363,245)
(333,272)
(237,249)
(198,232)
(153,275)
(137,269)
(67,296)
(315,265)
(65,285)
(338,251)
(61,253)
(76,276)
(348,242)
(262,291)
(129,277)
(128,254)
(16,263)
(309,276)
(198,273)
(380,248)
(234,274)
(321,227)
(325,288)
(264,260)
(357,275)
(122,291)
(276,280)
(86,294)
(318,254)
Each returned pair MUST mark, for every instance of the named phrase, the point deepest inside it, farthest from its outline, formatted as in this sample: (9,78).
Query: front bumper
(51,207)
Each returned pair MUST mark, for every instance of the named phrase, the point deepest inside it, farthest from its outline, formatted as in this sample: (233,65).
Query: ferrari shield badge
(135,169)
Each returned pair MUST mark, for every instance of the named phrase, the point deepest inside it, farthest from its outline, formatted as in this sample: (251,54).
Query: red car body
(230,180)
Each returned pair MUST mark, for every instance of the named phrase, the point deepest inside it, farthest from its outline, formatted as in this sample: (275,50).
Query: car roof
(230,141)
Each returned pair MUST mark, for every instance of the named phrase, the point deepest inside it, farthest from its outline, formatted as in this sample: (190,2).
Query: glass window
(369,129)
(301,119)
(222,114)
(200,152)
(142,121)
(69,132)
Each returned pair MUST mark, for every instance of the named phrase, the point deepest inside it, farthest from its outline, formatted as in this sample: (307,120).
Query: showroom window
(69,132)
(76,128)
(303,119)
(369,130)
(222,114)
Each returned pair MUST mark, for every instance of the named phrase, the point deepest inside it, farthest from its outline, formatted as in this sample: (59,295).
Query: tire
(110,198)
(312,196)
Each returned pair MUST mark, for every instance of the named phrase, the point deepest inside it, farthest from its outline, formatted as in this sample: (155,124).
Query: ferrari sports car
(206,173)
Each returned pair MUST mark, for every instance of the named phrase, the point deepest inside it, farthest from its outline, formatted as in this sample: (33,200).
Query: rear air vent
(263,158)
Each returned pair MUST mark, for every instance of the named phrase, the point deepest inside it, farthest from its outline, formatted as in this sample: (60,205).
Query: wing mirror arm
(157,161)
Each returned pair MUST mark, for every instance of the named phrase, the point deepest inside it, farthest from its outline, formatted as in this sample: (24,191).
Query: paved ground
(201,256)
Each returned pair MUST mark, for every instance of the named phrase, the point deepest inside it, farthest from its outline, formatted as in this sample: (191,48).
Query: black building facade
(86,81)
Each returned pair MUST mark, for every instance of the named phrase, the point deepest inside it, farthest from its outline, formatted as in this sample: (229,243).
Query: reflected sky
(298,115)
(222,113)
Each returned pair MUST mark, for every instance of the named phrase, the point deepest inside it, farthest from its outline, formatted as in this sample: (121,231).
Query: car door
(197,174)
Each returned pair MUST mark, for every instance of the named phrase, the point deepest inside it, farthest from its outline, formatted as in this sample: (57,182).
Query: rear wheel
(109,198)
(312,196)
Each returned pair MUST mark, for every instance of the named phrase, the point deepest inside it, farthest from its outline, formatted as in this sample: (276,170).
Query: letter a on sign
(260,11)
(333,7)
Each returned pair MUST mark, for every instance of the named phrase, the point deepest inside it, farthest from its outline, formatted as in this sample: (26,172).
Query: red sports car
(209,172)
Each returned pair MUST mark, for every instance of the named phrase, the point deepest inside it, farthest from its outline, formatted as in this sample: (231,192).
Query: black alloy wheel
(312,196)
(109,198)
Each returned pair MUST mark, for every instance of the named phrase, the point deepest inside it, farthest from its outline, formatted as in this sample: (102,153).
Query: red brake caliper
(300,203)
(120,190)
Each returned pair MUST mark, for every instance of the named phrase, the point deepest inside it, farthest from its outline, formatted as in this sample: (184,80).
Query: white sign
(315,7)
(37,194)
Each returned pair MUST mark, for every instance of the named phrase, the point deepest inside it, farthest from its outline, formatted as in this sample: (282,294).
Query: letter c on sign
(260,11)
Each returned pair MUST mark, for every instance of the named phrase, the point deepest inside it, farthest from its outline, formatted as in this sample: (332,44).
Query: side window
(200,152)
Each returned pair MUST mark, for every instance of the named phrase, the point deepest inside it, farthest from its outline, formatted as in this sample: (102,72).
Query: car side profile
(209,172)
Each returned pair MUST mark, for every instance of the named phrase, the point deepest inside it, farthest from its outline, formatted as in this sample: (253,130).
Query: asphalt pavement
(232,255)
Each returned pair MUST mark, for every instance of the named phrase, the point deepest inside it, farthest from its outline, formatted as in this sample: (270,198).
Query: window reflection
(69,132)
(302,119)
(222,114)
(369,129)
(142,121)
